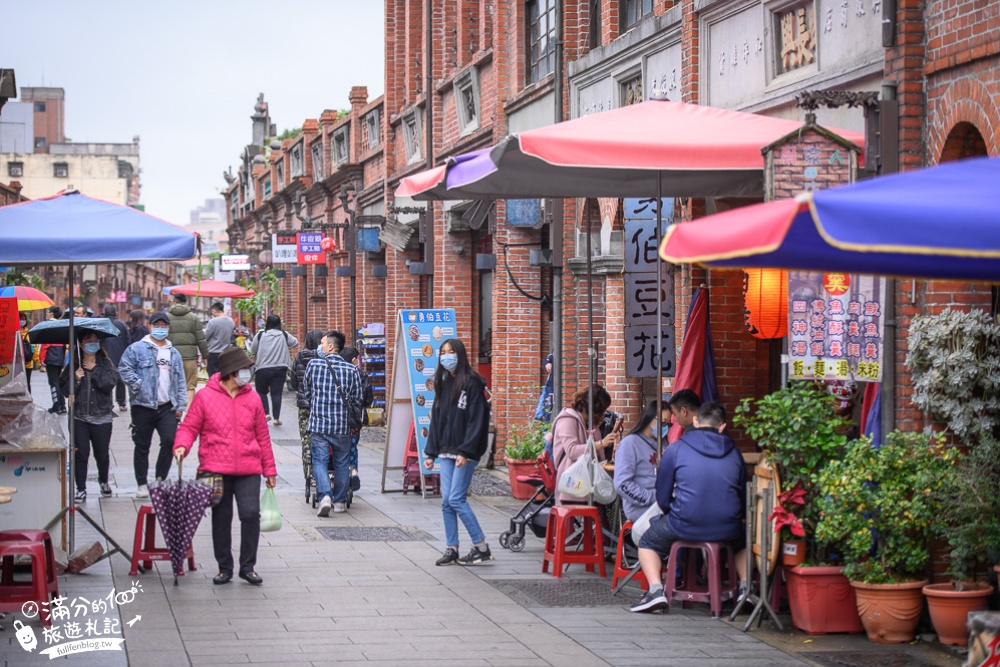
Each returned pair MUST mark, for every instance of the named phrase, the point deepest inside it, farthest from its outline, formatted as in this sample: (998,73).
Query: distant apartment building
(209,221)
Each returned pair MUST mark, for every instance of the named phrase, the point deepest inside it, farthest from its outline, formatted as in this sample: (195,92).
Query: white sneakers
(143,491)
(339,508)
(325,506)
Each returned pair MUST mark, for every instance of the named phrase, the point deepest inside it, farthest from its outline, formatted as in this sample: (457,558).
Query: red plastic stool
(558,531)
(688,591)
(13,597)
(145,550)
(621,571)
(30,535)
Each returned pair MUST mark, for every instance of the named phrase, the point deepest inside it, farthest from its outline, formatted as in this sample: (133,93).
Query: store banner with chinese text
(836,326)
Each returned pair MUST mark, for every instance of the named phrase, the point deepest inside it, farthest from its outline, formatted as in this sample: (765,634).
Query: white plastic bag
(641,525)
(604,486)
(576,480)
(270,515)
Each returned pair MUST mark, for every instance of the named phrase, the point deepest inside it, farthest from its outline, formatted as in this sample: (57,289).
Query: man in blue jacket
(154,372)
(701,488)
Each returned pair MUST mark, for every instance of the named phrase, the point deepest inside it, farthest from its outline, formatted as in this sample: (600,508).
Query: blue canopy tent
(71,228)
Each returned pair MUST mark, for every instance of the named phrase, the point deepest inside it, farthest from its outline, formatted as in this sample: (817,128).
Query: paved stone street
(359,602)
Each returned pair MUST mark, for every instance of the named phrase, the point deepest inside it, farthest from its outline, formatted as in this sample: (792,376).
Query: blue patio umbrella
(56,332)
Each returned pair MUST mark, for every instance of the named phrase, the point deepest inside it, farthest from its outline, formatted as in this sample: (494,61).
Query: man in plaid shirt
(328,425)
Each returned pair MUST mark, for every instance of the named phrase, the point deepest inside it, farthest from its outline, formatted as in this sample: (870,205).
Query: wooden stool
(689,591)
(13,597)
(30,535)
(558,531)
(145,550)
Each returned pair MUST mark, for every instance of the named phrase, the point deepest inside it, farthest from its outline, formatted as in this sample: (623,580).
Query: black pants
(271,380)
(85,435)
(246,489)
(120,393)
(144,421)
(53,372)
(27,378)
(213,363)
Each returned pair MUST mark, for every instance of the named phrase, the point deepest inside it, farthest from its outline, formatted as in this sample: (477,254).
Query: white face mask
(243,377)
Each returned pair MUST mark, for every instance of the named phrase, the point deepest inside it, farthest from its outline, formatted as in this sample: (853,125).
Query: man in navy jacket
(701,488)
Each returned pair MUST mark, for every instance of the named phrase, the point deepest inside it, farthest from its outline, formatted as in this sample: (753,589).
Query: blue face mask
(320,353)
(91,348)
(158,333)
(664,429)
(449,361)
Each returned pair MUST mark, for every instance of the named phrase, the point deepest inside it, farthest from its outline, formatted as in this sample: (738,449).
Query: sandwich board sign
(419,335)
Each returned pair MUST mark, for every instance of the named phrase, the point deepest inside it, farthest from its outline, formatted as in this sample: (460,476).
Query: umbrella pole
(659,314)
(70,405)
(591,354)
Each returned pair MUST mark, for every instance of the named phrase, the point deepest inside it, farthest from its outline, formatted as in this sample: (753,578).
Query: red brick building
(461,75)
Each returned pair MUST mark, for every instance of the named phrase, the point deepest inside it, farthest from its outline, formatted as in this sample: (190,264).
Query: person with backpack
(352,356)
(458,438)
(271,349)
(307,354)
(53,357)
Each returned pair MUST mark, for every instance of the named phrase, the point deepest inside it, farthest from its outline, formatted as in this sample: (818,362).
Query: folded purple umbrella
(179,508)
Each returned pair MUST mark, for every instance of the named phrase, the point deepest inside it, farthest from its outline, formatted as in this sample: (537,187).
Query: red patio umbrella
(215,288)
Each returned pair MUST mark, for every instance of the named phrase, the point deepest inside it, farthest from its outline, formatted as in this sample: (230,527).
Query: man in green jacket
(187,334)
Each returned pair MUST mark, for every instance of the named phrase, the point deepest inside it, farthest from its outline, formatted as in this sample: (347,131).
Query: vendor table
(39,476)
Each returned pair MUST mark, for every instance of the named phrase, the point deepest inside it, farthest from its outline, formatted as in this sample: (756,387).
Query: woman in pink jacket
(235,446)
(569,434)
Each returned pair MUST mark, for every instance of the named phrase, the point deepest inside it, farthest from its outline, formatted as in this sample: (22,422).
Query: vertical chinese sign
(309,250)
(9,338)
(642,293)
(836,324)
(284,248)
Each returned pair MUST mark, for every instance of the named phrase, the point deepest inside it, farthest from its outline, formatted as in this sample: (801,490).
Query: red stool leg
(136,545)
(150,540)
(588,540)
(550,539)
(599,553)
(559,546)
(190,557)
(714,579)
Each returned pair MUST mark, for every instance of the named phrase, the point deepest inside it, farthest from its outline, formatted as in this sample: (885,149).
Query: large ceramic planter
(520,490)
(822,600)
(890,612)
(950,609)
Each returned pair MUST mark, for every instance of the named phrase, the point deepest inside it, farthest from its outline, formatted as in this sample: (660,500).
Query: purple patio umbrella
(179,508)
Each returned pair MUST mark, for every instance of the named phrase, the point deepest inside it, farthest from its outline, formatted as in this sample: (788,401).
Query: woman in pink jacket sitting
(569,434)
(235,445)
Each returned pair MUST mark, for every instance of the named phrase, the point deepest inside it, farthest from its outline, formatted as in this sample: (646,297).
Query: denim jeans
(321,445)
(246,490)
(455,483)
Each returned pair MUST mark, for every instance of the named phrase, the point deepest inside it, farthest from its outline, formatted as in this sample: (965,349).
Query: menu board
(422,332)
(9,328)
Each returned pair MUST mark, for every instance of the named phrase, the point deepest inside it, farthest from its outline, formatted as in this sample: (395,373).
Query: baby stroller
(311,495)
(534,513)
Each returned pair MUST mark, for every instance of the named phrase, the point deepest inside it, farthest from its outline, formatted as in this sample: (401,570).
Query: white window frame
(316,155)
(412,137)
(295,164)
(373,125)
(342,144)
(60,166)
(465,83)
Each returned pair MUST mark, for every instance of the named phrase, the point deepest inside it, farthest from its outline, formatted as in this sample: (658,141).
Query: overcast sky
(184,75)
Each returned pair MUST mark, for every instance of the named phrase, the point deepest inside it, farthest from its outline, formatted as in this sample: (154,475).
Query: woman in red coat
(228,417)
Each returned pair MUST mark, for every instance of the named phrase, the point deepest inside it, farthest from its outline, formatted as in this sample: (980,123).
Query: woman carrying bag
(458,438)
(570,435)
(93,411)
(234,451)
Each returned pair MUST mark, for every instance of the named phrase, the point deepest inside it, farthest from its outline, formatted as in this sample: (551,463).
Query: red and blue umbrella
(685,150)
(28,298)
(941,222)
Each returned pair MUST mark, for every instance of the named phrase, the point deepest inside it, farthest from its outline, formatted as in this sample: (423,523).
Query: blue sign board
(422,332)
(524,212)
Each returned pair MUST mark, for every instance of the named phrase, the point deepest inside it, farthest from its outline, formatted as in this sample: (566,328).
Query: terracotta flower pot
(520,490)
(950,609)
(822,600)
(890,612)
(793,552)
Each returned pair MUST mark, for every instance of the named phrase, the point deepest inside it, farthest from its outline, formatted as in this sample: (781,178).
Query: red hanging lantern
(765,303)
(328,244)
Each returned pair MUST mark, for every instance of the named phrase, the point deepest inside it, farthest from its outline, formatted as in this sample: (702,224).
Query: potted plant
(882,505)
(799,431)
(955,358)
(525,444)
(970,521)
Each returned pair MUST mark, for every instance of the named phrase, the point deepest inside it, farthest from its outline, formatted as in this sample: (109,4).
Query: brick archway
(966,108)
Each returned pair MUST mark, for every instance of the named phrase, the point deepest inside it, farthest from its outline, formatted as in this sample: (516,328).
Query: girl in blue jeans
(458,438)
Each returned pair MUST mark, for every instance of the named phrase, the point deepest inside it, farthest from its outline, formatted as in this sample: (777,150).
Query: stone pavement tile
(157,658)
(553,646)
(248,646)
(443,661)
(209,660)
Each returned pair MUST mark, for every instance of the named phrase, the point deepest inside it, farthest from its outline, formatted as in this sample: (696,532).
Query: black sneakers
(106,490)
(477,557)
(650,601)
(450,557)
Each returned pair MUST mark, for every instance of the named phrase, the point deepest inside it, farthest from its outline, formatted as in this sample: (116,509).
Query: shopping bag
(604,486)
(641,525)
(576,480)
(270,515)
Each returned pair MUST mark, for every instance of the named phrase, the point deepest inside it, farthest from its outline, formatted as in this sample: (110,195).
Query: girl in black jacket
(308,353)
(93,411)
(458,437)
